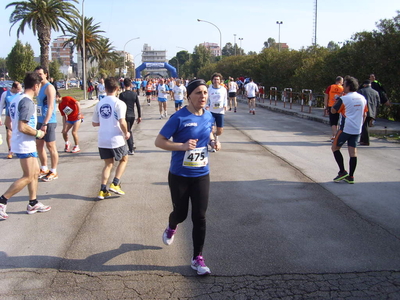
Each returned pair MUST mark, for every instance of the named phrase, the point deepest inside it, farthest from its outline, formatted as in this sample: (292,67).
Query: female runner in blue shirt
(188,178)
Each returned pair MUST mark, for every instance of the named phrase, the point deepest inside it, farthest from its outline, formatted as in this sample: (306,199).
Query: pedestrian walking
(131,100)
(217,102)
(251,90)
(191,130)
(373,100)
(232,91)
(163,91)
(23,144)
(178,94)
(331,94)
(47,122)
(113,131)
(353,108)
(5,101)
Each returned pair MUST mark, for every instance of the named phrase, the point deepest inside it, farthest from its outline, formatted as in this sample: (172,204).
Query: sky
(173,26)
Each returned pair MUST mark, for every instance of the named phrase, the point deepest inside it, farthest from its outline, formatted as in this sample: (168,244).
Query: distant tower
(314,39)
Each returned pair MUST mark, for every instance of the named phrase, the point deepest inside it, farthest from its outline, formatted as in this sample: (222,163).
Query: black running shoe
(340,176)
(349,179)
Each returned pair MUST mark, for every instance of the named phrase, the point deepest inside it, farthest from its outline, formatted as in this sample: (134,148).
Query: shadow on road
(93,263)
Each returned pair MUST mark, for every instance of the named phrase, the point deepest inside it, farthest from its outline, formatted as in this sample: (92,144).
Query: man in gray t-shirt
(23,144)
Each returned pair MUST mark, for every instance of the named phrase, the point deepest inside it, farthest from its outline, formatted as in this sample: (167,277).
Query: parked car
(73,83)
(60,84)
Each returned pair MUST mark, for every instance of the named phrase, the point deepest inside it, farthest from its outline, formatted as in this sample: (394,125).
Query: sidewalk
(382,126)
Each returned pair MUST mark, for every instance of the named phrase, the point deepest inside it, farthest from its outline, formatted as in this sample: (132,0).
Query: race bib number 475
(196,158)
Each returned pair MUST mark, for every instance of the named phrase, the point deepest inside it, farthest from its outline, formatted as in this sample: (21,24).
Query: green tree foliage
(332,46)
(230,50)
(54,69)
(20,60)
(93,38)
(43,16)
(3,68)
(201,57)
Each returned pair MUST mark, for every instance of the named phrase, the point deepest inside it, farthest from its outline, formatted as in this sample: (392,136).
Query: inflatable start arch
(155,65)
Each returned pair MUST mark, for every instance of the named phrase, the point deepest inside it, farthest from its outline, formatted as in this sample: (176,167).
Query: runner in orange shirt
(333,92)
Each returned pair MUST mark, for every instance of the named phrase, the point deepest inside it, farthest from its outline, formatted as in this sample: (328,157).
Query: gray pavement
(278,228)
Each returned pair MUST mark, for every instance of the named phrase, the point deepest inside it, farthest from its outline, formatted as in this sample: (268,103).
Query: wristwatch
(44,124)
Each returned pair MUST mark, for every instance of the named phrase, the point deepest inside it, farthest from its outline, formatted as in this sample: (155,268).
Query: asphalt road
(277,226)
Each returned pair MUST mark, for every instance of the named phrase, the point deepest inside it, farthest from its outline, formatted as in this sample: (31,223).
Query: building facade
(61,53)
(154,56)
(213,47)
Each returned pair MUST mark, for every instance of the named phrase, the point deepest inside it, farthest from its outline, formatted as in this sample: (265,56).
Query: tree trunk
(44,36)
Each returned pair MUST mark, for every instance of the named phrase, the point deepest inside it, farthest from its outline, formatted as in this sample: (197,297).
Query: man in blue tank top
(47,122)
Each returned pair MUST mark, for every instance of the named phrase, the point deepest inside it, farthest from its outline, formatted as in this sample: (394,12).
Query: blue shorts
(26,155)
(162,99)
(178,103)
(73,122)
(342,137)
(219,119)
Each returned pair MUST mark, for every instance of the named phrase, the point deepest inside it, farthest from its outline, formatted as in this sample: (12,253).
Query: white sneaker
(199,265)
(168,236)
(76,149)
(38,207)
(3,214)
(161,116)
(165,114)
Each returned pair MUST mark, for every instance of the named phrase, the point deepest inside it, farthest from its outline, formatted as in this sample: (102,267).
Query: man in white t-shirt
(163,91)
(251,90)
(102,89)
(178,94)
(217,102)
(110,115)
(232,91)
(353,107)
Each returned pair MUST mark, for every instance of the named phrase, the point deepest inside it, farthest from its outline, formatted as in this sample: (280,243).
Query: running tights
(197,190)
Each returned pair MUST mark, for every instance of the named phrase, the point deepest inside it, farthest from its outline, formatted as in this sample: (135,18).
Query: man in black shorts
(353,108)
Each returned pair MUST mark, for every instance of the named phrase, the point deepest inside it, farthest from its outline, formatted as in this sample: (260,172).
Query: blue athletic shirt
(182,126)
(43,107)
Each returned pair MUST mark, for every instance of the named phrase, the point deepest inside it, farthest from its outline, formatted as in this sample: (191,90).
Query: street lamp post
(125,53)
(279,35)
(220,35)
(240,39)
(234,43)
(83,51)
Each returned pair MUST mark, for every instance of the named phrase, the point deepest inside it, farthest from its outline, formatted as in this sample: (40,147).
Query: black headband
(194,84)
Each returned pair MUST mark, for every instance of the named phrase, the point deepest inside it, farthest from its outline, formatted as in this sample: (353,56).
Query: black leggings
(197,189)
(130,141)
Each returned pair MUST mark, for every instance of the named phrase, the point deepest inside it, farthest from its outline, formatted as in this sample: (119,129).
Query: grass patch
(76,93)
(390,137)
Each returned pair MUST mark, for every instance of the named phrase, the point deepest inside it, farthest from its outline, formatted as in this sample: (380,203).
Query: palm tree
(106,51)
(43,16)
(104,56)
(92,38)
